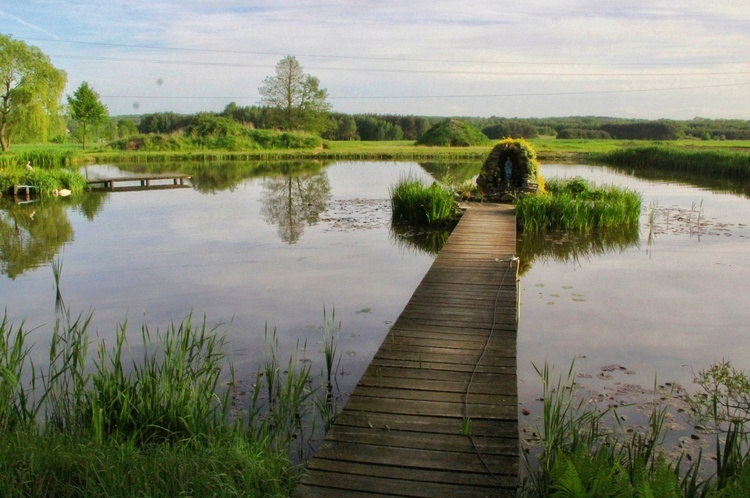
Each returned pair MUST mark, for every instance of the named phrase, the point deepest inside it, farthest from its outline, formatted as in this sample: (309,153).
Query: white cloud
(418,48)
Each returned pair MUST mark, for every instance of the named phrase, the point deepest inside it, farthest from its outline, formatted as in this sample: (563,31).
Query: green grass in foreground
(576,453)
(68,465)
(161,425)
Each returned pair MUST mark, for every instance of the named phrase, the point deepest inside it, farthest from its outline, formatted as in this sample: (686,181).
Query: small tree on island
(86,108)
(295,99)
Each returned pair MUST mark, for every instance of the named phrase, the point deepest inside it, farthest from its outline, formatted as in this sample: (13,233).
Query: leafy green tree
(86,108)
(30,91)
(294,98)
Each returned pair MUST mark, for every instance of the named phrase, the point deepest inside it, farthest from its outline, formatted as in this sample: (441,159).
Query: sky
(643,59)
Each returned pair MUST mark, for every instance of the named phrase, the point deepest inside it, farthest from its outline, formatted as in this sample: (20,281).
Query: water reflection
(697,179)
(216,176)
(569,247)
(291,202)
(31,234)
(453,172)
(419,240)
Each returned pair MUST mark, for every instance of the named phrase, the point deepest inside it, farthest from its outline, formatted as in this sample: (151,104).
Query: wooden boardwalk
(436,412)
(144,181)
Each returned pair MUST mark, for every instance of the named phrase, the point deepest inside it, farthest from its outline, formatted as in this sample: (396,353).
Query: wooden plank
(431,425)
(448,358)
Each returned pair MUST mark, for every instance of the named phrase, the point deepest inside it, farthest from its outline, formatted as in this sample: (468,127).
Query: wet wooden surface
(436,412)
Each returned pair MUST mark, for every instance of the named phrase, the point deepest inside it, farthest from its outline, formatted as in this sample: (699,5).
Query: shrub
(453,133)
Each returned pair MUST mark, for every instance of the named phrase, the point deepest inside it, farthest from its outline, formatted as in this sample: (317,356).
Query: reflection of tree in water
(571,247)
(91,204)
(291,202)
(31,235)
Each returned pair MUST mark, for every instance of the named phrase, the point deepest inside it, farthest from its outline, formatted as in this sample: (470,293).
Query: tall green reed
(17,405)
(578,455)
(413,203)
(729,164)
(578,206)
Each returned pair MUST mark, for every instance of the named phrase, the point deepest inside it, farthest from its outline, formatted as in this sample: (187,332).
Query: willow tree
(30,91)
(295,99)
(86,108)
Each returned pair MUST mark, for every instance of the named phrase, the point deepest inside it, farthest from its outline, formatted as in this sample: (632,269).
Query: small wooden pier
(144,182)
(436,412)
(24,190)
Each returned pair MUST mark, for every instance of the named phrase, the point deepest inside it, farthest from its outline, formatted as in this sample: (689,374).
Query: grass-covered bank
(715,162)
(547,150)
(48,181)
(166,423)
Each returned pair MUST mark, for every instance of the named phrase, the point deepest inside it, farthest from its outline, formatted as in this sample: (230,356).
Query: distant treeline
(408,127)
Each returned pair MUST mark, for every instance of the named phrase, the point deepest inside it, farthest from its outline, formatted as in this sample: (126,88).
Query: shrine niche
(511,167)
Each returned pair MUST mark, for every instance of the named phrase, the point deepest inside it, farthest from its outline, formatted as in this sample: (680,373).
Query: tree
(86,108)
(296,100)
(30,91)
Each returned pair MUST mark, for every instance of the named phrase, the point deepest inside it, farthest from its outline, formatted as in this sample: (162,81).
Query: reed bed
(164,424)
(576,454)
(722,163)
(47,181)
(415,204)
(576,205)
(42,157)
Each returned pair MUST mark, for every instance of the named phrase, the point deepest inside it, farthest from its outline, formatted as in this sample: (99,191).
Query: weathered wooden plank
(416,386)
(432,425)
(451,355)
(345,484)
(417,458)
(431,408)
(396,473)
(419,440)
(428,359)
(405,389)
(414,368)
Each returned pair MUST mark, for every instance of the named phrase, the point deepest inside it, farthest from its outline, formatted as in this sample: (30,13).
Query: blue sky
(633,58)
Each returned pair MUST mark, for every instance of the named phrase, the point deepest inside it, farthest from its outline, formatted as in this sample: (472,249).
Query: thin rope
(479,360)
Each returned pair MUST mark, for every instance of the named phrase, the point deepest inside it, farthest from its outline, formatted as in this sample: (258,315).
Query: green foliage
(47,181)
(164,122)
(67,465)
(295,99)
(414,204)
(218,133)
(510,128)
(643,130)
(575,133)
(578,457)
(161,426)
(30,92)
(577,205)
(453,133)
(86,108)
(729,164)
(524,166)
(723,404)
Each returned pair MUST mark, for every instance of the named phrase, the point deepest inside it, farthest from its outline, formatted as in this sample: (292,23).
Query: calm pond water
(652,311)
(274,251)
